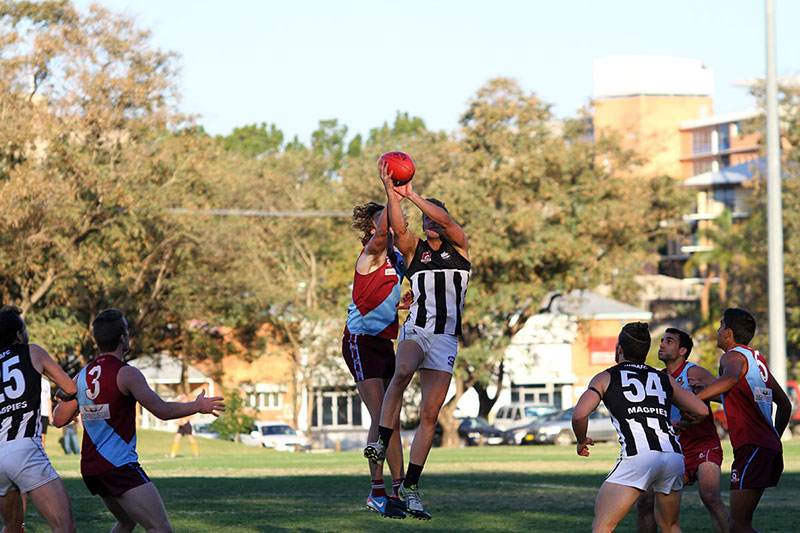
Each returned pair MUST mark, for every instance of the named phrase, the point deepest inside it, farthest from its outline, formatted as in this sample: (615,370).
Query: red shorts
(694,457)
(117,480)
(755,467)
(368,356)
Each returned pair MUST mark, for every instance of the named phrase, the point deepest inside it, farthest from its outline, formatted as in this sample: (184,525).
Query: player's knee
(403,373)
(428,415)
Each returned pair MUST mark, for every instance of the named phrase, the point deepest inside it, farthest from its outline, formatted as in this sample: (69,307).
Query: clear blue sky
(294,62)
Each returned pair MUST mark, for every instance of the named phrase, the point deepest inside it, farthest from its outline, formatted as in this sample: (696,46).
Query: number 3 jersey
(109,418)
(639,399)
(20,394)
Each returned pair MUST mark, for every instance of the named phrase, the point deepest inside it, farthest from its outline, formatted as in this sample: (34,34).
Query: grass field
(235,488)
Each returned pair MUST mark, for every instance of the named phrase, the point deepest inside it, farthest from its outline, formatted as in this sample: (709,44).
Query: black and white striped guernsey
(439,281)
(20,394)
(639,399)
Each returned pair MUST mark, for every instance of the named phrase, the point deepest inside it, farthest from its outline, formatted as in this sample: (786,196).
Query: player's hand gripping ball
(400,165)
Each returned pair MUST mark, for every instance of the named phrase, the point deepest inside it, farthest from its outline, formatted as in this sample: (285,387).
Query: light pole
(777,307)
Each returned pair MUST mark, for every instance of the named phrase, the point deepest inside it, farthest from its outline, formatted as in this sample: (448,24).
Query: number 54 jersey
(639,399)
(109,418)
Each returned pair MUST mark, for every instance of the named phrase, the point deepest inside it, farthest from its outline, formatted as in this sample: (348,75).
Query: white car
(276,435)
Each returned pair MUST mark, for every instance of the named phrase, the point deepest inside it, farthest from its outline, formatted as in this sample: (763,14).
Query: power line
(259,213)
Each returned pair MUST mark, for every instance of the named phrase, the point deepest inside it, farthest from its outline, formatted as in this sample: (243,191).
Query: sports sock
(384,435)
(195,449)
(396,483)
(378,489)
(175,445)
(412,475)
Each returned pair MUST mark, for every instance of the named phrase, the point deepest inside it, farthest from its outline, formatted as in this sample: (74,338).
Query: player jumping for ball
(367,345)
(439,270)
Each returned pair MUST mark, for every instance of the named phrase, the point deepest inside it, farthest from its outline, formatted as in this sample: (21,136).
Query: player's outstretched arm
(688,403)
(699,379)
(586,405)
(66,410)
(404,239)
(376,247)
(450,228)
(130,380)
(732,364)
(47,366)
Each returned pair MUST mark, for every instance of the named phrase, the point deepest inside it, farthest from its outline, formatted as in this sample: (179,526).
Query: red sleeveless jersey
(373,308)
(698,437)
(109,418)
(748,405)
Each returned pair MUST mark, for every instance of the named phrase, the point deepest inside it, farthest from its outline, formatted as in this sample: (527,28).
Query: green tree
(253,140)
(233,421)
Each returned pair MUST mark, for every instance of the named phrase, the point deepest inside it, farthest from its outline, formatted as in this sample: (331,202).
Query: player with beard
(700,443)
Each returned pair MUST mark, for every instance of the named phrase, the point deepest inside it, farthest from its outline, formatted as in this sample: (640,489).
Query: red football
(400,165)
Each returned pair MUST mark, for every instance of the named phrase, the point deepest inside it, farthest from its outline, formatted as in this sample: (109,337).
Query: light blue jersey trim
(741,479)
(109,444)
(753,378)
(376,320)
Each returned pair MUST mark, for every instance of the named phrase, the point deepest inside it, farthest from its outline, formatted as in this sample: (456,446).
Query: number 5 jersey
(20,394)
(109,418)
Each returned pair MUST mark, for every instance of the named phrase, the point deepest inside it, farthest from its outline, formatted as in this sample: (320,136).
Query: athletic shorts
(24,466)
(368,356)
(755,467)
(117,480)
(439,349)
(663,471)
(185,429)
(45,422)
(693,458)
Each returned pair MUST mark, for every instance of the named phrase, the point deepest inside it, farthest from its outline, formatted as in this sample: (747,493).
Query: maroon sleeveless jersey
(109,418)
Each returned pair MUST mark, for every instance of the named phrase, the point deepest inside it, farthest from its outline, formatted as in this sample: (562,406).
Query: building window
(724,132)
(265,396)
(336,409)
(727,197)
(698,167)
(701,142)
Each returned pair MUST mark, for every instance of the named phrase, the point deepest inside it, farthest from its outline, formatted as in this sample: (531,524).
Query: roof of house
(587,304)
(728,176)
(164,368)
(723,118)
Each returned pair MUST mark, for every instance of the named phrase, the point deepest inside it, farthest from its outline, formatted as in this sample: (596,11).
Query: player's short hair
(107,328)
(634,340)
(437,203)
(742,323)
(684,340)
(11,323)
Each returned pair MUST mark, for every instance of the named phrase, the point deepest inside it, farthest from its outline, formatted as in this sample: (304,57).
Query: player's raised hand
(209,405)
(696,385)
(406,300)
(583,447)
(386,178)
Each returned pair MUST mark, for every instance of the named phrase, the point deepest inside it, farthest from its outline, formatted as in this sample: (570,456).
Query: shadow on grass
(501,501)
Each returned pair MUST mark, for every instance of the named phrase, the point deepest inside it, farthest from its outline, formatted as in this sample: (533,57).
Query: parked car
(203,429)
(557,429)
(515,435)
(520,414)
(472,431)
(276,435)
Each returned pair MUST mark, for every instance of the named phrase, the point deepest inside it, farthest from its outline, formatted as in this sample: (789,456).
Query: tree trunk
(487,402)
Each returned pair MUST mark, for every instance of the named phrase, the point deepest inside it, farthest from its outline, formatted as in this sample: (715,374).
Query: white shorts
(661,470)
(439,349)
(24,465)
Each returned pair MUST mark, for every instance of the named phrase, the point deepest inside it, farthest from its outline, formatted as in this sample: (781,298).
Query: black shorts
(185,429)
(117,480)
(368,356)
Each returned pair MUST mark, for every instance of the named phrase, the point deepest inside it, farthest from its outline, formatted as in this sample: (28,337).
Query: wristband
(61,395)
